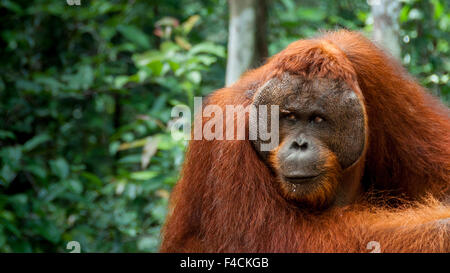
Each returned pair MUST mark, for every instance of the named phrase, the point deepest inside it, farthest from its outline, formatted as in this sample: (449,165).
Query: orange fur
(323,193)
(227,198)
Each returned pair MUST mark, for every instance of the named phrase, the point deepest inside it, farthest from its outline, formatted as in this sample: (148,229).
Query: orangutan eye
(288,115)
(317,119)
(291,117)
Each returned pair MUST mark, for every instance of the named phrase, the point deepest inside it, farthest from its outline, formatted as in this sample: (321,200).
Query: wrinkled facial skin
(322,132)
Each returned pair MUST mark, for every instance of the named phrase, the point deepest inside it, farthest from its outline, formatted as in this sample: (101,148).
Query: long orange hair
(227,200)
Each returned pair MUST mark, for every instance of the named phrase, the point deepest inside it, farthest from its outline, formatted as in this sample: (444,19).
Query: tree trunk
(385,25)
(247,44)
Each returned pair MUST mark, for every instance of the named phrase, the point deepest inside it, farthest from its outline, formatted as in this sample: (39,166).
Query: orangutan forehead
(295,89)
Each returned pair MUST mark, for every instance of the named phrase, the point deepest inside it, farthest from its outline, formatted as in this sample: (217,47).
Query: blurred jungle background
(87,87)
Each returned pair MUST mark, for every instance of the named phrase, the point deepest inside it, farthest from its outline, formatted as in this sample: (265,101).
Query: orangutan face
(321,130)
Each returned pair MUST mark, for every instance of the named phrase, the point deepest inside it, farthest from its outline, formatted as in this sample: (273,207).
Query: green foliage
(295,19)
(425,27)
(86,94)
(424,32)
(85,99)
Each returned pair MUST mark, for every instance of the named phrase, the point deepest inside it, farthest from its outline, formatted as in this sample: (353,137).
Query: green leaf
(35,141)
(159,212)
(134,35)
(49,83)
(60,168)
(195,77)
(20,204)
(7,175)
(28,86)
(86,76)
(7,221)
(174,65)
(120,81)
(168,48)
(147,57)
(12,155)
(75,186)
(92,178)
(114,147)
(11,6)
(130,159)
(206,59)
(438,8)
(49,231)
(208,47)
(404,12)
(6,134)
(148,243)
(310,14)
(156,67)
(145,175)
(37,170)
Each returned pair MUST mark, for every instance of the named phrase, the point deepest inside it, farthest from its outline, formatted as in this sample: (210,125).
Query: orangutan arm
(425,229)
